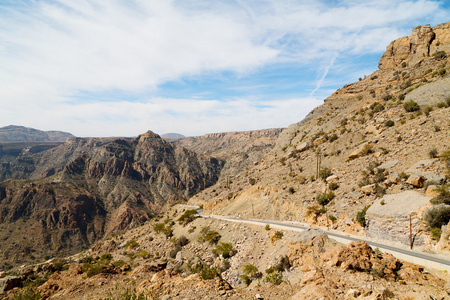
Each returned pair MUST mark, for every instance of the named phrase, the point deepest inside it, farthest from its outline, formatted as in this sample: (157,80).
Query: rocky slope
(113,186)
(238,149)
(368,135)
(213,259)
(14,133)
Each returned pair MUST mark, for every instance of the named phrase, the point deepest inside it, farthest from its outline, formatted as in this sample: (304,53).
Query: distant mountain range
(13,133)
(172,135)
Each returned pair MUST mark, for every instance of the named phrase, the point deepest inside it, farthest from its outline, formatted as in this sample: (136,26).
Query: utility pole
(318,165)
(410,233)
(253,209)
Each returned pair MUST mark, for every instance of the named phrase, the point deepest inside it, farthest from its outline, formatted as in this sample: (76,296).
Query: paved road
(428,260)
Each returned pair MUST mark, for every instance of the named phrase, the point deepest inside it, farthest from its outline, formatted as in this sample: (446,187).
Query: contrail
(325,73)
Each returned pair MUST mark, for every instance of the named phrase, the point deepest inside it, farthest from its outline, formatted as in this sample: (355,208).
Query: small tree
(411,106)
(325,173)
(361,216)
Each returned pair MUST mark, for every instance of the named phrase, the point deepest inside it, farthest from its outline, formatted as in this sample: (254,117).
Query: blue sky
(120,68)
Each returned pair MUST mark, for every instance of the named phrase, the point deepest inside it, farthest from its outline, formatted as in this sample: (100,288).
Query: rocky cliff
(238,149)
(116,185)
(414,49)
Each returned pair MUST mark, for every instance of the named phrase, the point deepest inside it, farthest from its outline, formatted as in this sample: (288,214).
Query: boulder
(416,181)
(9,282)
(420,166)
(388,164)
(332,178)
(369,189)
(373,130)
(431,192)
(388,218)
(363,149)
(319,141)
(302,147)
(355,256)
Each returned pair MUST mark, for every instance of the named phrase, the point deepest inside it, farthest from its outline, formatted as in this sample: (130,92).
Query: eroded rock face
(411,50)
(114,186)
(389,218)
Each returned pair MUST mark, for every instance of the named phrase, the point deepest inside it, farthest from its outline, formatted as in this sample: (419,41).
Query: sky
(122,67)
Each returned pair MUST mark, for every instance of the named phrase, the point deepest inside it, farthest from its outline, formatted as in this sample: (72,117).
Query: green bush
(440,55)
(325,198)
(283,264)
(131,244)
(440,105)
(181,241)
(437,216)
(251,271)
(245,279)
(27,294)
(208,272)
(444,195)
(433,153)
(333,137)
(436,233)
(377,107)
(187,217)
(212,237)
(333,186)
(411,106)
(325,173)
(224,249)
(361,216)
(267,227)
(278,235)
(389,123)
(275,278)
(158,227)
(427,109)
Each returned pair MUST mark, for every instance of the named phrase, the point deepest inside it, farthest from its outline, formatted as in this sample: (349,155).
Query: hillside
(14,133)
(174,256)
(238,149)
(107,188)
(369,136)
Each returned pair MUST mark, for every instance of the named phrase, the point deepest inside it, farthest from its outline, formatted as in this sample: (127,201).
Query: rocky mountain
(387,133)
(172,135)
(27,163)
(238,149)
(106,188)
(14,133)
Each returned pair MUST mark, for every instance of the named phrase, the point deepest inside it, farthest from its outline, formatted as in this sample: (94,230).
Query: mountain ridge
(14,133)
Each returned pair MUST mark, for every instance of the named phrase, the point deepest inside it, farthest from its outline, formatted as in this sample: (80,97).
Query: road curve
(428,260)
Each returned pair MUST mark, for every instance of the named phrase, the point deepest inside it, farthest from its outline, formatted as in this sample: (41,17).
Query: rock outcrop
(411,50)
(110,187)
(389,218)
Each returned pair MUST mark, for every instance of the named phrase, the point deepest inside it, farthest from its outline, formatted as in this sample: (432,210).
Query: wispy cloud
(55,53)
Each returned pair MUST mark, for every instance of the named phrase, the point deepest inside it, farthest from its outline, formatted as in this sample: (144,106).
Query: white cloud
(51,51)
(187,116)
